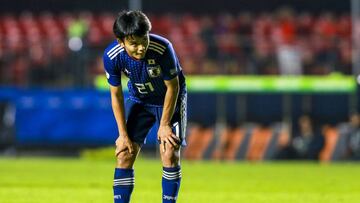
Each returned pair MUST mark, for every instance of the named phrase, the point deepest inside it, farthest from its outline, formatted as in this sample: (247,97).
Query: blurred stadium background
(267,80)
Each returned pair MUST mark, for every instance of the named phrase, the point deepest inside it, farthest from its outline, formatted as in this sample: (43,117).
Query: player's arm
(113,75)
(165,133)
(117,103)
(170,68)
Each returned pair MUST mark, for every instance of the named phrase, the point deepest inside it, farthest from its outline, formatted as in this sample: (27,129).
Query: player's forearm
(169,104)
(117,103)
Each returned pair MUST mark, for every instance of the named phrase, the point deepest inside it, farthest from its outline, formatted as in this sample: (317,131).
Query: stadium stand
(244,43)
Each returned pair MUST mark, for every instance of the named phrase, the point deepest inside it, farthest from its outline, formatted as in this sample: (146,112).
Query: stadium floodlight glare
(358,79)
(75,44)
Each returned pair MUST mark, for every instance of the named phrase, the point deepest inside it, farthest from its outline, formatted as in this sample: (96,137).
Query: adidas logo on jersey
(127,72)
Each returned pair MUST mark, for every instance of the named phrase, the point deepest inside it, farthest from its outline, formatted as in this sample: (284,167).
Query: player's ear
(121,42)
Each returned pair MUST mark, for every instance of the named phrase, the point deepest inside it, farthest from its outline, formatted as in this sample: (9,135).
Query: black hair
(131,23)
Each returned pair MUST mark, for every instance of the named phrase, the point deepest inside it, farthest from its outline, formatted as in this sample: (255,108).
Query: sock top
(171,169)
(123,172)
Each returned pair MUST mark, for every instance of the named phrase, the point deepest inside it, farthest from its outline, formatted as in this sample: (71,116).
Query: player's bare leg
(171,173)
(171,156)
(124,173)
(124,158)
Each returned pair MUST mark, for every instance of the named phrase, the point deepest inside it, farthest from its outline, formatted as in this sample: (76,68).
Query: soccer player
(157,96)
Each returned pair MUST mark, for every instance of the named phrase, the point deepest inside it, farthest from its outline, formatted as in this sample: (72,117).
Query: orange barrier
(237,137)
(259,142)
(198,141)
(331,138)
(254,143)
(229,143)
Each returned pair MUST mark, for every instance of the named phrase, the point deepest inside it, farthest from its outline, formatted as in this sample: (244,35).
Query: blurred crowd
(314,142)
(65,49)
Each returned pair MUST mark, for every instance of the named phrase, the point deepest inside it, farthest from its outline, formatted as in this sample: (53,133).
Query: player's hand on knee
(165,135)
(123,143)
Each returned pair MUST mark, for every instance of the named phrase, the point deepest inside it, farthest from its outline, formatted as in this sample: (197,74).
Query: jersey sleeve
(113,73)
(169,63)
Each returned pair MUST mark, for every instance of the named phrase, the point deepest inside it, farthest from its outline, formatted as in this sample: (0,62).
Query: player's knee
(171,157)
(125,159)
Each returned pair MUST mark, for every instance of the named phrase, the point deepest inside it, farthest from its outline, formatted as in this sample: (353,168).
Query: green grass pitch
(45,180)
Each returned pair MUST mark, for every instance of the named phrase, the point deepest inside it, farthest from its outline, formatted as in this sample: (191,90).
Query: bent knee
(171,157)
(125,159)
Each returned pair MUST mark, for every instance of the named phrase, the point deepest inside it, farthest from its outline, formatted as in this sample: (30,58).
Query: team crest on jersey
(154,71)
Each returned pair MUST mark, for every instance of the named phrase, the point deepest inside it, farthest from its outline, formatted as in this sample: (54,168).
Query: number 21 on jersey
(144,88)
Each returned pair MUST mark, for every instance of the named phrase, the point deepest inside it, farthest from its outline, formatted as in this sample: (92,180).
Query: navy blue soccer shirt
(146,76)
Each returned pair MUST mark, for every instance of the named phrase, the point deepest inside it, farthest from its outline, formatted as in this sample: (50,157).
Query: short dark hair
(131,23)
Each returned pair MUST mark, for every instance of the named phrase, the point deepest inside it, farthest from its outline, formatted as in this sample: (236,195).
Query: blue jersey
(146,76)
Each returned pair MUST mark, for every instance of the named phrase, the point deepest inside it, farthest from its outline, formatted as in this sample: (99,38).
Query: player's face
(136,46)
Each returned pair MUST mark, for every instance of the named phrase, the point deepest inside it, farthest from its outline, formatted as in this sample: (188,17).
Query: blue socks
(123,185)
(171,184)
